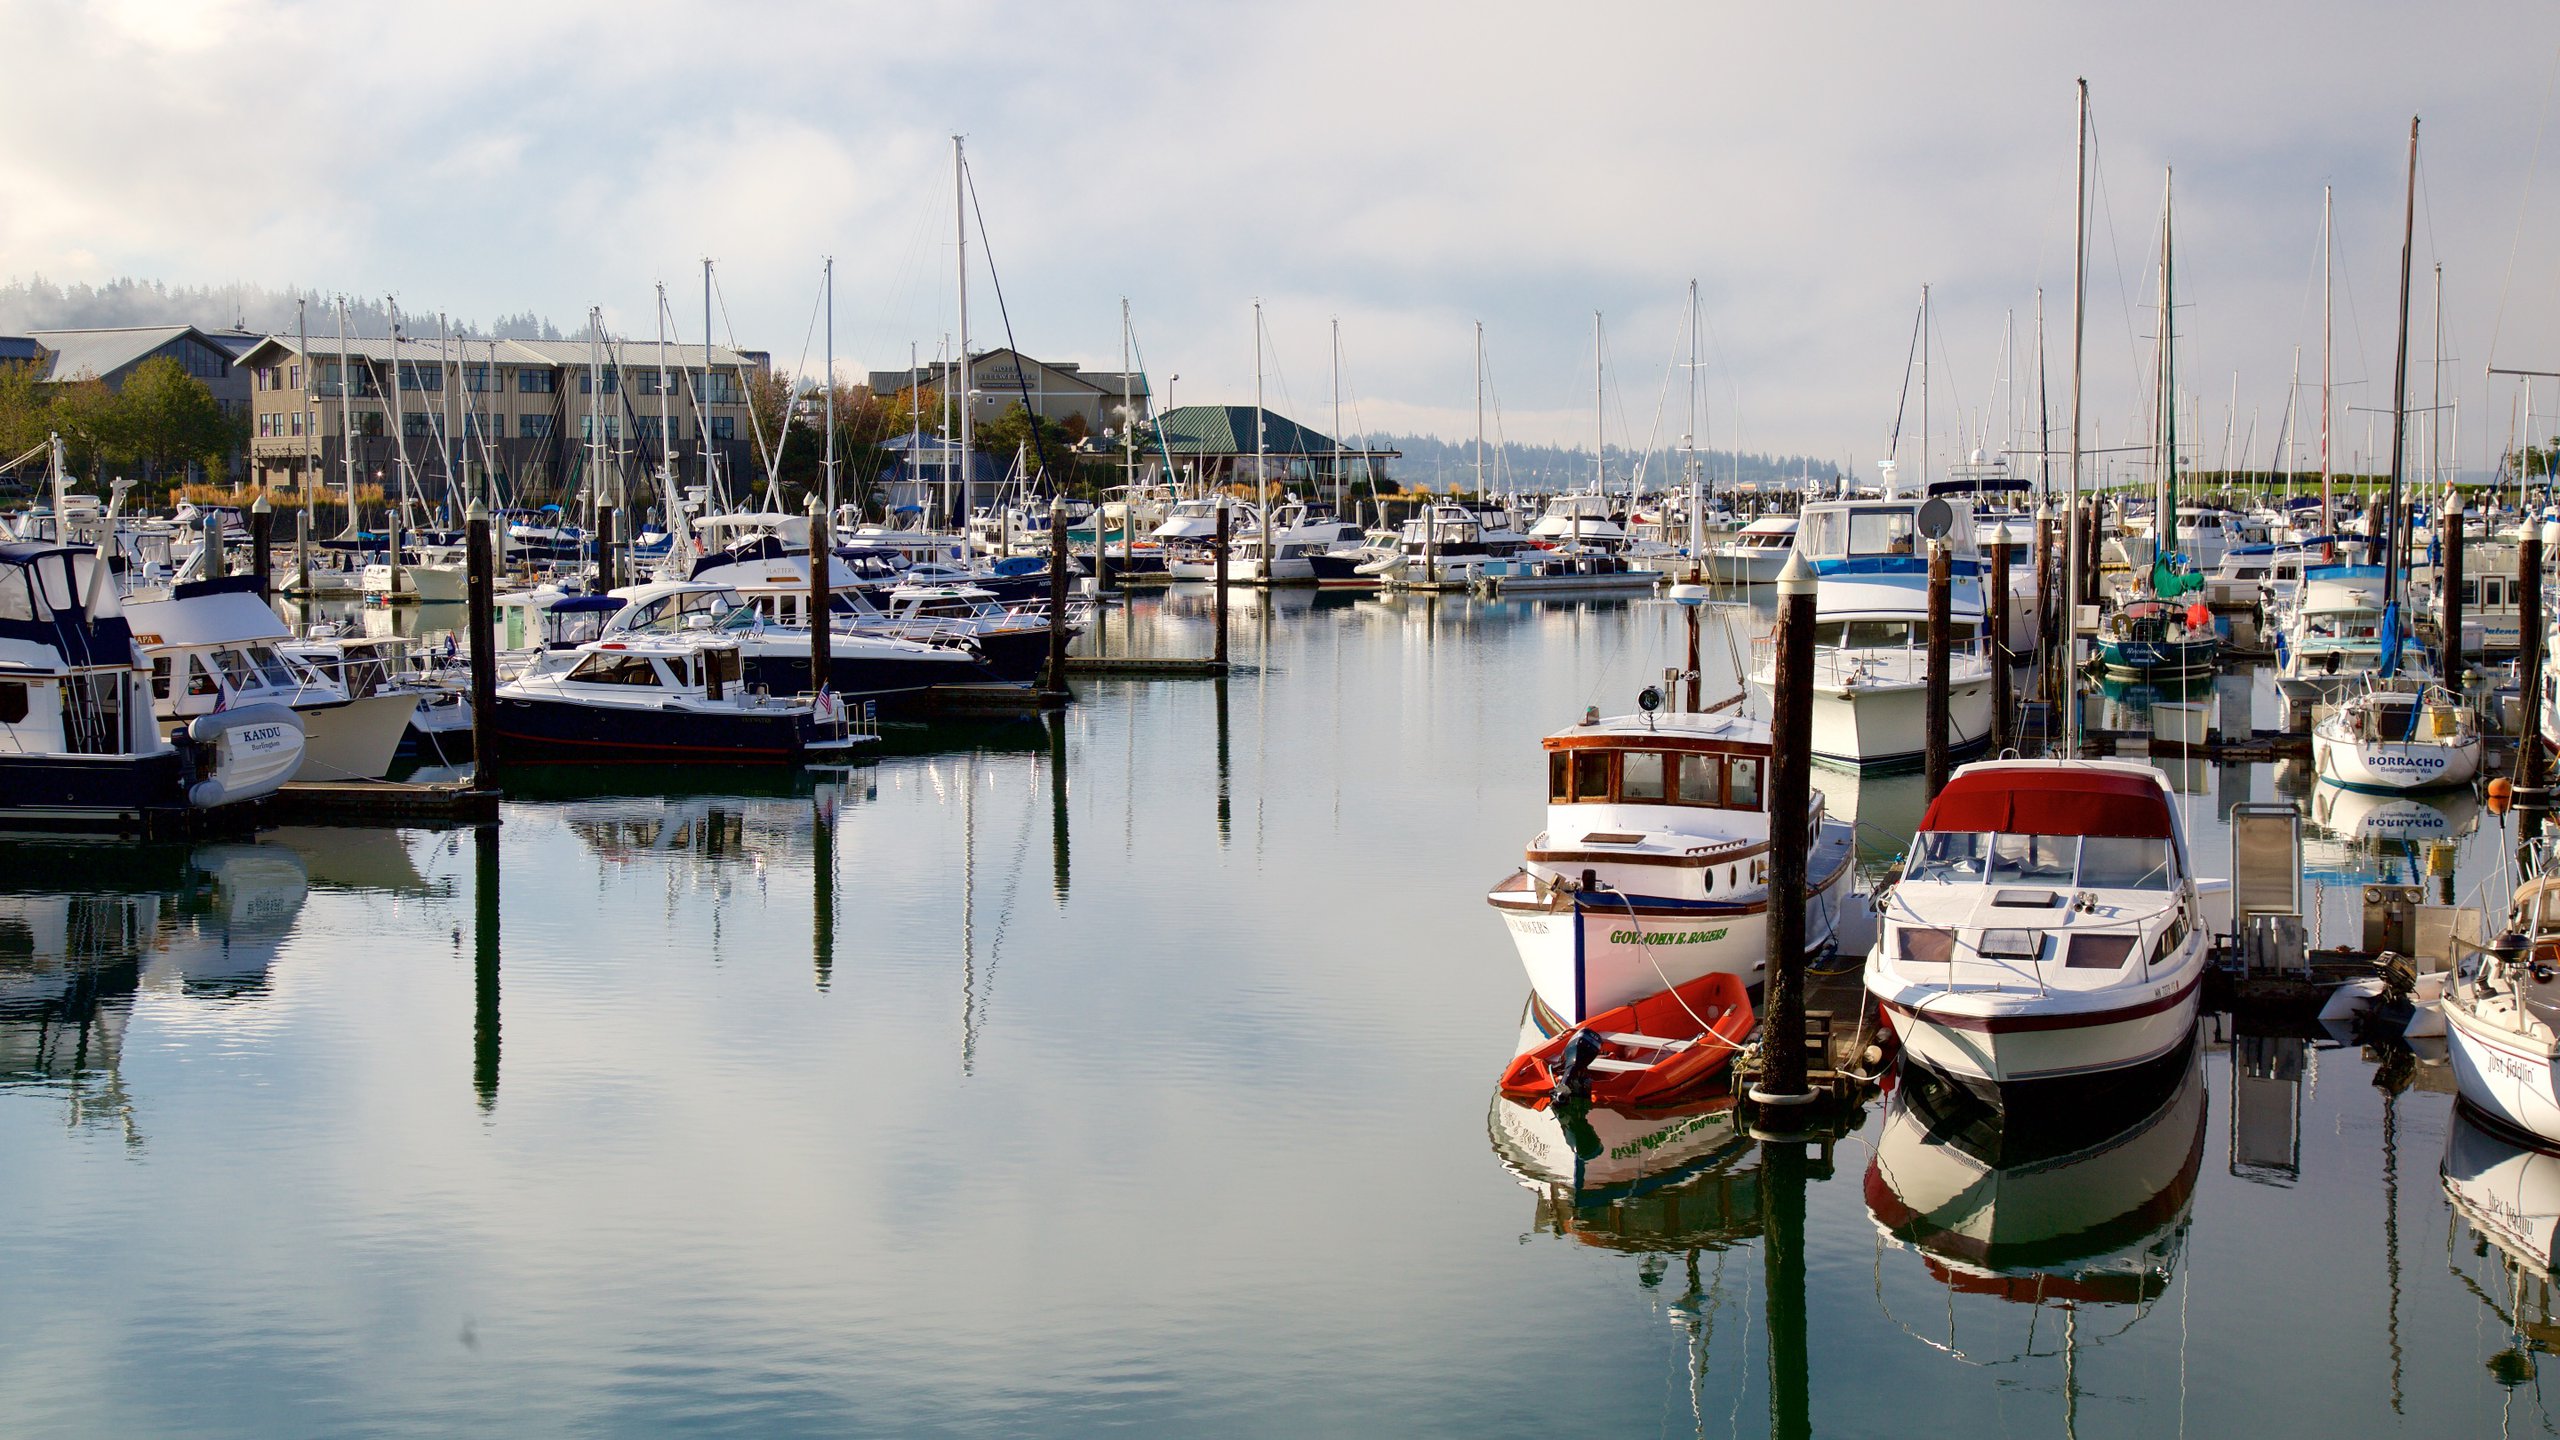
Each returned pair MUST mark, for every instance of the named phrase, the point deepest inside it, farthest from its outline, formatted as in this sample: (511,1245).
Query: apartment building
(529,412)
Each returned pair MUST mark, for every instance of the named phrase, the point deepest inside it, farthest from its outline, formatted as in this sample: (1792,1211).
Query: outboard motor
(1572,1077)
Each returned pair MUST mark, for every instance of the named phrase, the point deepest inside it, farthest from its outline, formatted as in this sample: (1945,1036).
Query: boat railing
(1847,666)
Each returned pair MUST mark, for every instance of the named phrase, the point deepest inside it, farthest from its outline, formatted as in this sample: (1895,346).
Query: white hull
(356,740)
(2506,1075)
(1747,564)
(427,584)
(2388,766)
(1871,727)
(1985,1041)
(1582,961)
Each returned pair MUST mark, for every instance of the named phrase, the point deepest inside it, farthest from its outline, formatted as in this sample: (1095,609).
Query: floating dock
(381,802)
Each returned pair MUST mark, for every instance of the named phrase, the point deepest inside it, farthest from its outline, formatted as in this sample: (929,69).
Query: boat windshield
(2093,862)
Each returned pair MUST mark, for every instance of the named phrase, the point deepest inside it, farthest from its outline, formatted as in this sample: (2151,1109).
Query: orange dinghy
(1642,1053)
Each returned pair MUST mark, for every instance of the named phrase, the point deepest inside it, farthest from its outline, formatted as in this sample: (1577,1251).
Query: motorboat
(2047,931)
(1355,567)
(427,584)
(1584,518)
(84,751)
(2501,1011)
(1653,867)
(2335,635)
(367,665)
(1448,545)
(1871,631)
(1646,1052)
(1567,570)
(2392,738)
(214,645)
(654,701)
(1755,554)
(887,670)
(2492,602)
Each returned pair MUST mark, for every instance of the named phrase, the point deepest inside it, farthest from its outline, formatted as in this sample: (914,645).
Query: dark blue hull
(1342,572)
(562,732)
(145,794)
(892,685)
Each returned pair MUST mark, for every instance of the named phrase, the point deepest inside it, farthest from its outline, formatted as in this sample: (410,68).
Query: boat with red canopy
(2047,927)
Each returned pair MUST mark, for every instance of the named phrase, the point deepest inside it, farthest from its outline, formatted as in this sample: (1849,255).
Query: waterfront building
(526,411)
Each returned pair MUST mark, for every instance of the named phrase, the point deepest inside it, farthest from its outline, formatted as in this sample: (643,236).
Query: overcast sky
(1409,169)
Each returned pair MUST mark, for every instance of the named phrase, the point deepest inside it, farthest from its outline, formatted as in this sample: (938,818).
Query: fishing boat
(1871,632)
(648,701)
(2047,929)
(82,749)
(2389,738)
(1650,1051)
(1653,867)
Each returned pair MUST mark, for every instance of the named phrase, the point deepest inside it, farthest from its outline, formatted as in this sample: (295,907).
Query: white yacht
(2047,927)
(1755,554)
(1653,867)
(1871,674)
(1583,518)
(79,749)
(215,645)
(2333,636)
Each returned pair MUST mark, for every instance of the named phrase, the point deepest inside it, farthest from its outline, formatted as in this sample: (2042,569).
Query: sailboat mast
(666,437)
(346,422)
(2079,333)
(702,390)
(1479,407)
(2400,394)
(1599,418)
(2328,317)
(1261,442)
(1128,437)
(1337,415)
(1924,390)
(968,425)
(819,547)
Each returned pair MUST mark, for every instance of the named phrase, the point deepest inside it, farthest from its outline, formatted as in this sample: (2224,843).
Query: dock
(381,802)
(1151,667)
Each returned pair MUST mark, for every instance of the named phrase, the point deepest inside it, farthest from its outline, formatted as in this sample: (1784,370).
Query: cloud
(1409,168)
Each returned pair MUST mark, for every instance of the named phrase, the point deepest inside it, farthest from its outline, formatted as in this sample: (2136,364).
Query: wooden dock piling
(1782,1082)
(1934,727)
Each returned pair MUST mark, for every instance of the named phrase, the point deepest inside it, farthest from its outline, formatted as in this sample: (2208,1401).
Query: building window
(724,427)
(297,422)
(587,382)
(414,376)
(587,427)
(535,427)
(536,382)
(724,389)
(296,372)
(475,378)
(415,425)
(644,382)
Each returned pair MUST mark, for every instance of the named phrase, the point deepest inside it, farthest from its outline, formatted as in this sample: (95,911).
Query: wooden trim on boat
(1691,859)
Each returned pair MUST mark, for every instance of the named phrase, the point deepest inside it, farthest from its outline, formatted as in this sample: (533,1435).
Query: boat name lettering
(1662,1137)
(1668,937)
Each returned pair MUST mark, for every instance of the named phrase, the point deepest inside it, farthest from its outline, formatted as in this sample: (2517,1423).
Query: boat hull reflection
(2035,1217)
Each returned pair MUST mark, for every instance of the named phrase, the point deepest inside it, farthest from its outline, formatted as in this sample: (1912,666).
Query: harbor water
(1132,1070)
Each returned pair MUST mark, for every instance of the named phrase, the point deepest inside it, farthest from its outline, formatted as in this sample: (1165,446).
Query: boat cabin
(1835,531)
(68,683)
(1702,761)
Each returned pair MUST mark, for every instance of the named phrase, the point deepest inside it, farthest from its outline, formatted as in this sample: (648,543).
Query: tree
(167,418)
(1043,443)
(23,410)
(90,421)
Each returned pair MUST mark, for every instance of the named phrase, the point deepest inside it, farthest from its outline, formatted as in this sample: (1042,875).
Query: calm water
(1131,1074)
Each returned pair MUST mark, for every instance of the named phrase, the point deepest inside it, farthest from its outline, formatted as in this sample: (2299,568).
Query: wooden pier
(1150,667)
(381,802)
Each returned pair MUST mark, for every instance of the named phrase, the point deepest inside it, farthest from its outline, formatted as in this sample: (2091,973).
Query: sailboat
(2151,638)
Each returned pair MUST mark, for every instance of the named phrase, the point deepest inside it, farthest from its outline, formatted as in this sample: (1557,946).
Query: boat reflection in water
(1680,1185)
(2507,1194)
(82,922)
(2040,1219)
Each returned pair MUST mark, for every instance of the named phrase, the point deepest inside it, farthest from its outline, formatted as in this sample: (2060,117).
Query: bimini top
(2045,798)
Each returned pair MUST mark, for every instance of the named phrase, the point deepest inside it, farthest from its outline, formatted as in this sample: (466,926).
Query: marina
(1060,738)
